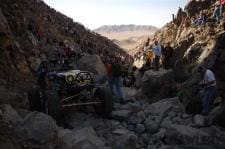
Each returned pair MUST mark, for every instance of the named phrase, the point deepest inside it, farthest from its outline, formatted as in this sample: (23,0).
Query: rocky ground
(134,125)
(140,123)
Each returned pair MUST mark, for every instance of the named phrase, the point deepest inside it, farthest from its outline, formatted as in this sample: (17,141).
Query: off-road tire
(54,106)
(105,96)
(34,99)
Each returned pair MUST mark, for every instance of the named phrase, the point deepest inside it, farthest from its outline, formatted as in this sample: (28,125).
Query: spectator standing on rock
(157,49)
(117,81)
(222,2)
(110,75)
(216,13)
(148,59)
(167,55)
(41,74)
(209,92)
(41,79)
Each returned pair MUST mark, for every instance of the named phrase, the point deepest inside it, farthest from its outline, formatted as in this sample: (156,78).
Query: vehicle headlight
(69,79)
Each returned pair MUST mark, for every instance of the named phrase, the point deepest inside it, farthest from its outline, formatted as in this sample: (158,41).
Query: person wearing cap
(209,84)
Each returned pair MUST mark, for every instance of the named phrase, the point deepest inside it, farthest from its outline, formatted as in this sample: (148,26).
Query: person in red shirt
(109,69)
(110,76)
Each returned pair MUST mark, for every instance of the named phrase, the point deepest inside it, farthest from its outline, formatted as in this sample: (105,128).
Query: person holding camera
(209,84)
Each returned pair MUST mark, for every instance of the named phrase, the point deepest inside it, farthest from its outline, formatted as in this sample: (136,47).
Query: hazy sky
(94,13)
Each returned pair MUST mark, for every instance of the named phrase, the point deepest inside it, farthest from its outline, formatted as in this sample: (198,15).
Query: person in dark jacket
(41,74)
(167,55)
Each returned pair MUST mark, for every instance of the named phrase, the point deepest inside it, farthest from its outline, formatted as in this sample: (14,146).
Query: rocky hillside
(125,28)
(195,44)
(29,32)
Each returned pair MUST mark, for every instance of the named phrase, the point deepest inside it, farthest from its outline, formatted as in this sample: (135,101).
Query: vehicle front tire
(104,96)
(34,97)
(55,109)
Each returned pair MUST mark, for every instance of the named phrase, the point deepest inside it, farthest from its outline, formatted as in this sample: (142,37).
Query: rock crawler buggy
(68,89)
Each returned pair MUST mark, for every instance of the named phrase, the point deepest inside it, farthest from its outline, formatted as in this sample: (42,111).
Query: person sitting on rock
(201,19)
(157,52)
(209,84)
(216,13)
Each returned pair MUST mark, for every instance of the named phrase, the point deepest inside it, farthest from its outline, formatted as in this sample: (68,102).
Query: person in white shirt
(209,84)
(157,49)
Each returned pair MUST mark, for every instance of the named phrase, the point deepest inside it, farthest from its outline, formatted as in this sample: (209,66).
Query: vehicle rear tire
(35,99)
(54,106)
(106,98)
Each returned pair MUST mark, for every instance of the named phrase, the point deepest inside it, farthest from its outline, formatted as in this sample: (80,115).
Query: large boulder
(121,115)
(163,107)
(151,125)
(216,116)
(199,120)
(80,139)
(184,135)
(126,141)
(92,63)
(211,137)
(188,147)
(9,139)
(87,138)
(66,136)
(38,129)
(157,84)
(9,118)
(137,118)
(9,115)
(161,113)
(12,96)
